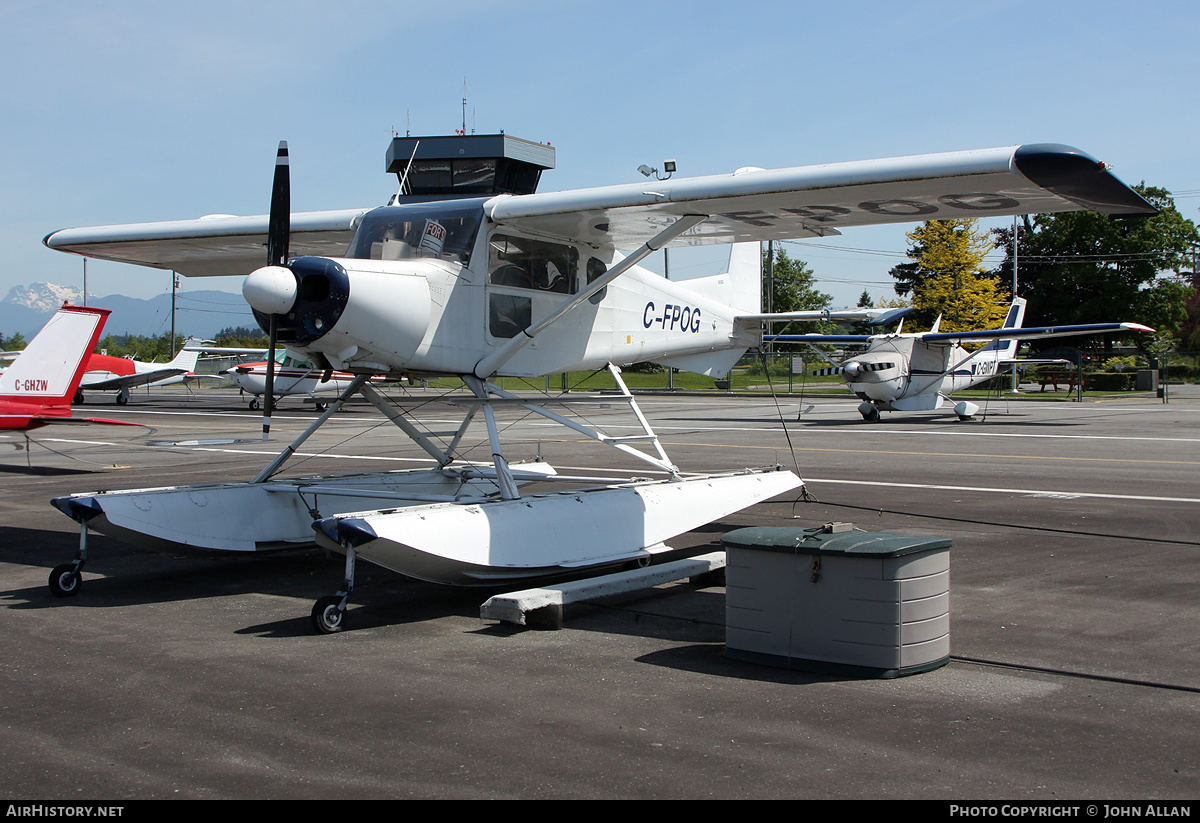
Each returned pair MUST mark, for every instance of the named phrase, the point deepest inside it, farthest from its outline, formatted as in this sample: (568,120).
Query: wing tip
(1075,175)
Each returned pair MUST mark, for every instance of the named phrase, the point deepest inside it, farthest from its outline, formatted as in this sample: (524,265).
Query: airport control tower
(467,165)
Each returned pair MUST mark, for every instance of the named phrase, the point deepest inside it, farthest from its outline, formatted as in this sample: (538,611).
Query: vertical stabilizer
(48,371)
(1007,349)
(745,274)
(740,286)
(185,359)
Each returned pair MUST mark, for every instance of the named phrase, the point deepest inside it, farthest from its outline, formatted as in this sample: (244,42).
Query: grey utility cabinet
(837,600)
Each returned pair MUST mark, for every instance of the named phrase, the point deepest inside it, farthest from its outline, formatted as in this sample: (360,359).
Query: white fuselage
(434,288)
(901,373)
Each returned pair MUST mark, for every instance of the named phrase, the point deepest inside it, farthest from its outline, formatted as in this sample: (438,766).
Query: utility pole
(769,298)
(667,276)
(174,285)
(1016,380)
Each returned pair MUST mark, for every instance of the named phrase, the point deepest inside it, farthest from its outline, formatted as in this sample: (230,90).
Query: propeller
(854,368)
(272,289)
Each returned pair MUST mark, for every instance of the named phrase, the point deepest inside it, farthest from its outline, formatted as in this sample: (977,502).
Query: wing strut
(358,382)
(492,363)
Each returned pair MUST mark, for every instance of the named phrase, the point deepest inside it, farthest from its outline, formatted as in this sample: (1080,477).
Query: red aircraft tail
(37,388)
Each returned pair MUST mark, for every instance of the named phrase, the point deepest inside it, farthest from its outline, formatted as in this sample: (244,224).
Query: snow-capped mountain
(199,313)
(43,297)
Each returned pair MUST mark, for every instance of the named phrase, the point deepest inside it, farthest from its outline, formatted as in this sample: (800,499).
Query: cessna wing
(131,381)
(817,201)
(209,246)
(748,205)
(967,336)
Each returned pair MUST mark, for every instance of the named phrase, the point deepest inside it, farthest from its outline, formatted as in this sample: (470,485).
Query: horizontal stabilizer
(871,315)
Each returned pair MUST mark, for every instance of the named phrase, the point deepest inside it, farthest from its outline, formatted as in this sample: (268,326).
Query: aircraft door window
(532,264)
(526,276)
(509,314)
(596,268)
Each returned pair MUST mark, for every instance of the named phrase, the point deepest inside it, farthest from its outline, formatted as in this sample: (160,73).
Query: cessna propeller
(852,368)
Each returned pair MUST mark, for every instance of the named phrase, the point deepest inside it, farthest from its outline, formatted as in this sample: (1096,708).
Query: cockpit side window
(521,263)
(439,231)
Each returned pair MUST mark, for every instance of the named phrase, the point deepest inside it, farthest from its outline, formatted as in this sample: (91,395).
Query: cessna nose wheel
(327,615)
(65,581)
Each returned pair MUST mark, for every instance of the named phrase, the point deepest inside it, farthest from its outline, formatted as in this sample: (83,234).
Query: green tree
(1086,267)
(946,277)
(865,301)
(942,247)
(16,342)
(793,284)
(242,337)
(965,302)
(148,349)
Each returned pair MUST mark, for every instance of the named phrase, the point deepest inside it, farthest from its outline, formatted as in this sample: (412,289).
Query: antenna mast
(464,104)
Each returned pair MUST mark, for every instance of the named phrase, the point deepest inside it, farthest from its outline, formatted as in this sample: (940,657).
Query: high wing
(209,246)
(1030,333)
(970,336)
(816,201)
(748,205)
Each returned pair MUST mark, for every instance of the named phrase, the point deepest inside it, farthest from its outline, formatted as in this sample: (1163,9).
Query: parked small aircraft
(919,371)
(107,373)
(37,387)
(292,377)
(469,272)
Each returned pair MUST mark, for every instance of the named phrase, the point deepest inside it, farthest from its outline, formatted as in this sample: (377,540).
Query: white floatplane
(469,272)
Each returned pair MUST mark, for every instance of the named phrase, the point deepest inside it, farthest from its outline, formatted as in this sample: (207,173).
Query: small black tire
(65,581)
(254,404)
(327,615)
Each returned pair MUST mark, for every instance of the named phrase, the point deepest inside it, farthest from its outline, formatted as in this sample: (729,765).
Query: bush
(1111,381)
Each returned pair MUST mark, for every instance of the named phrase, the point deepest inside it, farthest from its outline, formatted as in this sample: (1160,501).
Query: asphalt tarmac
(1075,622)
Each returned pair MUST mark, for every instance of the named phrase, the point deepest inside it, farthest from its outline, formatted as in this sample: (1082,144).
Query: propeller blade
(279,224)
(279,228)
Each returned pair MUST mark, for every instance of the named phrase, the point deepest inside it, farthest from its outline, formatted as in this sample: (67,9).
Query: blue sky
(138,111)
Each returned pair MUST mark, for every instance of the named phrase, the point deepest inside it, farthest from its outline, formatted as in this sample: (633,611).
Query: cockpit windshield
(442,230)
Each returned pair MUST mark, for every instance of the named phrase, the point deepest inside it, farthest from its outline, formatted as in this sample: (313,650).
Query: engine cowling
(350,315)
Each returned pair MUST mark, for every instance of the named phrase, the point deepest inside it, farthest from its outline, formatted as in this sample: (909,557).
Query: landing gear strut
(328,611)
(65,580)
(869,411)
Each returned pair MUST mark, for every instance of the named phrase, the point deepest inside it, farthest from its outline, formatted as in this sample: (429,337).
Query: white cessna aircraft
(919,371)
(291,376)
(469,272)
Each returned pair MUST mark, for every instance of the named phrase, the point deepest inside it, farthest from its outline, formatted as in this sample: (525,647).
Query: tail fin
(185,359)
(48,371)
(1013,320)
(740,285)
(1016,314)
